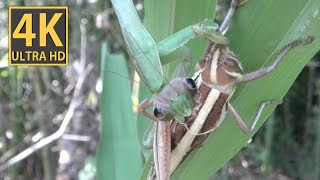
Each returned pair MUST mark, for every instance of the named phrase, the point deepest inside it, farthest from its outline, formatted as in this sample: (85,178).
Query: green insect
(174,99)
(148,56)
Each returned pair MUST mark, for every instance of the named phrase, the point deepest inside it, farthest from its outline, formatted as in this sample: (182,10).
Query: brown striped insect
(216,76)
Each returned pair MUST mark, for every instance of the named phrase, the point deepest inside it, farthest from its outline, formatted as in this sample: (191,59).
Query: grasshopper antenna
(122,76)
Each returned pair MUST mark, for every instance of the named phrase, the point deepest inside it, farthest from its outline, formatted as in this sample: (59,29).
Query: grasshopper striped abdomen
(217,73)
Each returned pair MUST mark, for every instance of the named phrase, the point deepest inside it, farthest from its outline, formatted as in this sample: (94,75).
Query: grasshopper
(174,100)
(216,76)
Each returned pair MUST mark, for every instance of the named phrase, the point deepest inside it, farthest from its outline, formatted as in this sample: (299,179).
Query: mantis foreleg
(184,56)
(206,29)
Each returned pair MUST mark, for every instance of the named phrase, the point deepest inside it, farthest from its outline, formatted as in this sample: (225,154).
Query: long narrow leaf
(119,151)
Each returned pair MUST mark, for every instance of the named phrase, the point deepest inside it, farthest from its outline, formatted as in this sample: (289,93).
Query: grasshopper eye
(232,64)
(191,83)
(158,113)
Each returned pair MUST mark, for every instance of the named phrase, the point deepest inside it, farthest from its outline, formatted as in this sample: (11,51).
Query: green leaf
(118,155)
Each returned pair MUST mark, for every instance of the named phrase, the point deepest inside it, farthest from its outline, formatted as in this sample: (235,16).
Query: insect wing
(146,60)
(141,46)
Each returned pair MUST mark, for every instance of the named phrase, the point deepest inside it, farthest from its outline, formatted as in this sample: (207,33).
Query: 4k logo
(38,36)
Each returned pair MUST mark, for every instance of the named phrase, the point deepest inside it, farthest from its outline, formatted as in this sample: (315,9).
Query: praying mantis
(175,101)
(212,56)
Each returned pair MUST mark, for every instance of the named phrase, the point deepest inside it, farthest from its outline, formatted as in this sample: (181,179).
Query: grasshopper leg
(266,70)
(242,124)
(226,21)
(142,109)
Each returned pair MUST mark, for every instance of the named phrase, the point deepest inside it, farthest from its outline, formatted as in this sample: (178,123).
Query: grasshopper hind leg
(245,128)
(266,70)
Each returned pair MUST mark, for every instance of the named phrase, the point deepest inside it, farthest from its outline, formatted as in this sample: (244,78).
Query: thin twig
(76,137)
(28,138)
(42,143)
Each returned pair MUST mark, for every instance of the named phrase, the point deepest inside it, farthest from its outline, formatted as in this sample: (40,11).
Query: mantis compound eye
(158,113)
(191,83)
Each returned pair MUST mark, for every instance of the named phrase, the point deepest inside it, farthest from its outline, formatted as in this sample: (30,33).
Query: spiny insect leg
(233,6)
(266,70)
(242,124)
